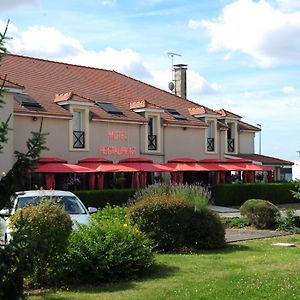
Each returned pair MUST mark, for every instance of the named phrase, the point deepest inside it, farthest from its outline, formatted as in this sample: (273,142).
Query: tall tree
(15,178)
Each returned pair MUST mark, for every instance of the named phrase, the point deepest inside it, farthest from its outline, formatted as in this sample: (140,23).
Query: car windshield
(70,203)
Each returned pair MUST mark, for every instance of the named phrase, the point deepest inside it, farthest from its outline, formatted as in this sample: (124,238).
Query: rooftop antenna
(172,83)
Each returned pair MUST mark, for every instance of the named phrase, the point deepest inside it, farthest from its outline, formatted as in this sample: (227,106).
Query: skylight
(28,102)
(109,107)
(174,113)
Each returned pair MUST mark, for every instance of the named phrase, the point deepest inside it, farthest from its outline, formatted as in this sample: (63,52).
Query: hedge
(99,198)
(237,194)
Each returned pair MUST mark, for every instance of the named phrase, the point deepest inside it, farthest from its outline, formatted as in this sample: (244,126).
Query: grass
(247,270)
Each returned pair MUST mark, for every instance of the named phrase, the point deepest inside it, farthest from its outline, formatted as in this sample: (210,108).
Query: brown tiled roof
(70,96)
(265,160)
(226,113)
(8,83)
(246,126)
(43,79)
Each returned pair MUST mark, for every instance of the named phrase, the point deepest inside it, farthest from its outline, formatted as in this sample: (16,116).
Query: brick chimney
(180,80)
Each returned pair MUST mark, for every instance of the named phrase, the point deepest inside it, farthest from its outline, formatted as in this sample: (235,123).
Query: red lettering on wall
(112,150)
(117,135)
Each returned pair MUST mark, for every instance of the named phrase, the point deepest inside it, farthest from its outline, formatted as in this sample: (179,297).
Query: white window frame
(156,131)
(233,126)
(85,126)
(214,135)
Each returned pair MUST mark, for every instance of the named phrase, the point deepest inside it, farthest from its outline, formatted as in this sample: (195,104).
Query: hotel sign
(117,150)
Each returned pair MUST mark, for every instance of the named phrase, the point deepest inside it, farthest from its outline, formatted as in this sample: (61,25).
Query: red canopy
(61,168)
(142,164)
(95,160)
(47,160)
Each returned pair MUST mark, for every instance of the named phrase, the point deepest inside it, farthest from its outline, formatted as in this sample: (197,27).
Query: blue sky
(242,55)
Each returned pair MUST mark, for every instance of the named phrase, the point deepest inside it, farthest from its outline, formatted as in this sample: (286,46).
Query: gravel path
(237,235)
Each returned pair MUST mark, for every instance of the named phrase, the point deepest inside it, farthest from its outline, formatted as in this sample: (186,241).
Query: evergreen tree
(15,178)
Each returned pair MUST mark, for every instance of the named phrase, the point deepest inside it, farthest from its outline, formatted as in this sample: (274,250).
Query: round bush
(260,213)
(174,223)
(106,249)
(43,231)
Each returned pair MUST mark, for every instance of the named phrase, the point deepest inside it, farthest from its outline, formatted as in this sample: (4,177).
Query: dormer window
(109,108)
(175,114)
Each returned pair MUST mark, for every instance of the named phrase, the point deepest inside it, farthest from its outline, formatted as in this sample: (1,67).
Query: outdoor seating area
(138,172)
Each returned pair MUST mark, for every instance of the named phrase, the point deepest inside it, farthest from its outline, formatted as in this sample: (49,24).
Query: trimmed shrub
(100,198)
(106,249)
(260,213)
(237,194)
(174,224)
(195,194)
(46,228)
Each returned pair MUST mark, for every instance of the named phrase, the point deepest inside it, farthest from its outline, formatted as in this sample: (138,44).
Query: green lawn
(247,270)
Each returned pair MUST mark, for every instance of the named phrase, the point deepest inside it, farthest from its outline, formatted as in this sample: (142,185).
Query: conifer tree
(15,178)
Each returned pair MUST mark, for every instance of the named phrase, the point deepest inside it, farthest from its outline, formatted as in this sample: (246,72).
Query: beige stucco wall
(7,154)
(184,143)
(175,141)
(127,136)
(57,137)
(246,142)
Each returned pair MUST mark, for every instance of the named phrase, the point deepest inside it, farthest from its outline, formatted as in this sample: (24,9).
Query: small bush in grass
(174,223)
(288,222)
(106,249)
(260,213)
(46,228)
(235,222)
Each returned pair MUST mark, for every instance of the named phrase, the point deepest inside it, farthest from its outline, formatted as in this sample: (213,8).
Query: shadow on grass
(158,271)
(228,249)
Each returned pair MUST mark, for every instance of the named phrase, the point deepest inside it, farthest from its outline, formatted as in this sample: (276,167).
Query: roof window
(28,102)
(175,114)
(109,107)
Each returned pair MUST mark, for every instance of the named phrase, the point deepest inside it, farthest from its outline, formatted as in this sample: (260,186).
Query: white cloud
(43,42)
(10,4)
(258,29)
(289,5)
(288,90)
(109,2)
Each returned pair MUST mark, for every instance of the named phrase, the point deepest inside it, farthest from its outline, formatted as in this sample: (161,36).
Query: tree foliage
(15,177)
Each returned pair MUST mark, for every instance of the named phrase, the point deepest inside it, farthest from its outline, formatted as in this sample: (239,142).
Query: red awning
(142,164)
(186,167)
(50,160)
(95,160)
(61,168)
(146,167)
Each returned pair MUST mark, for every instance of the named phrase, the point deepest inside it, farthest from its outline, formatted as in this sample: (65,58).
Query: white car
(71,203)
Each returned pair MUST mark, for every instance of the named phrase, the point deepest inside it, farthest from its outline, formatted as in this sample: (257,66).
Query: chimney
(180,80)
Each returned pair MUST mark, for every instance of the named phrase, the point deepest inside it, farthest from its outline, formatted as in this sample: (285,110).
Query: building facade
(89,112)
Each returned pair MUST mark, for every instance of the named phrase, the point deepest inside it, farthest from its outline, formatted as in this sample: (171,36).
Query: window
(152,137)
(210,145)
(78,130)
(175,114)
(28,102)
(230,137)
(109,108)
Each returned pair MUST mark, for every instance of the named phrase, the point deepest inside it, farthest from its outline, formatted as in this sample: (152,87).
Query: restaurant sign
(117,150)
